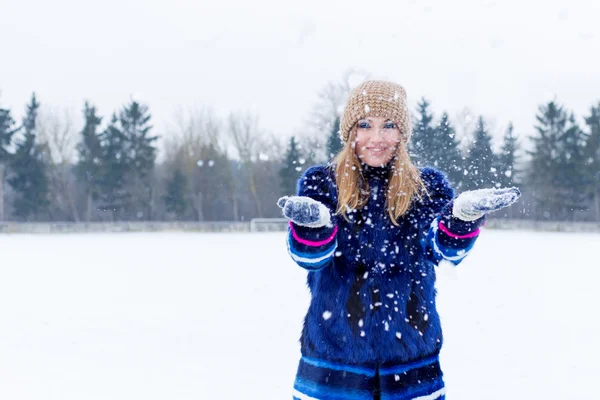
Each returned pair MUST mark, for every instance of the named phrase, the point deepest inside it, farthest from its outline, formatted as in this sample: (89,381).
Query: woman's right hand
(305,211)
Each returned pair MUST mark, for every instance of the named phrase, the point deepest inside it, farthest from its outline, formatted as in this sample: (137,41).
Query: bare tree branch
(58,138)
(246,136)
(195,130)
(329,106)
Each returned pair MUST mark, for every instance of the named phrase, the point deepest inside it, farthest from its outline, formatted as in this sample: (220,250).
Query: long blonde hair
(404,185)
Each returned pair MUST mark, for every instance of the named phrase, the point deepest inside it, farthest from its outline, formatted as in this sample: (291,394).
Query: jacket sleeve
(314,248)
(447,238)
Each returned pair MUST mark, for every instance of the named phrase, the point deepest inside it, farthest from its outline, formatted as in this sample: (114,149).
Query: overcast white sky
(501,58)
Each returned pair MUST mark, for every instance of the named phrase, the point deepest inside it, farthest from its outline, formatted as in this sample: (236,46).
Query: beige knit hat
(379,99)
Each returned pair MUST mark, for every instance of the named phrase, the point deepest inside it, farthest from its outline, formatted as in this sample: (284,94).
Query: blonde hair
(404,182)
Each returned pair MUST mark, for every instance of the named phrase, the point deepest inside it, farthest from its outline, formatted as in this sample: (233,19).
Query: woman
(370,228)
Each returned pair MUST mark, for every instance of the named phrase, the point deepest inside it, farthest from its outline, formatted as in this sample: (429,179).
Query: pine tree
(543,170)
(507,159)
(308,152)
(572,177)
(592,156)
(480,159)
(334,143)
(175,198)
(449,158)
(292,169)
(113,171)
(215,183)
(7,131)
(28,168)
(423,138)
(89,149)
(141,156)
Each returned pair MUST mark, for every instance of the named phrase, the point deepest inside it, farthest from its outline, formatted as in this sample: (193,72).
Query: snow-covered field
(218,316)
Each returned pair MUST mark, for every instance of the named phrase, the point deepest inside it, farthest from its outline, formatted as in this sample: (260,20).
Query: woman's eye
(390,125)
(363,125)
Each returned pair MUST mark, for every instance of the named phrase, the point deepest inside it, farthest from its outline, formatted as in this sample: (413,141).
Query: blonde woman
(369,228)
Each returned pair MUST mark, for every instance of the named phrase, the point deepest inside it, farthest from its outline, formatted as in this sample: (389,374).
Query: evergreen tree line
(115,174)
(558,173)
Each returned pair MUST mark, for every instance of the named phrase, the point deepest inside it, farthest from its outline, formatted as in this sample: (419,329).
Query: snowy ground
(218,316)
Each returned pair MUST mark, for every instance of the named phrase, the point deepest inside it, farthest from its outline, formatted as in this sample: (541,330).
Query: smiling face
(376,141)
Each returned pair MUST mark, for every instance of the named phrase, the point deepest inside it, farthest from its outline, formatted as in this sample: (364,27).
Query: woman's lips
(376,150)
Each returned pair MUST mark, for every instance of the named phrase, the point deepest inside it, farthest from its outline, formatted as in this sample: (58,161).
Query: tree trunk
(1,191)
(195,202)
(234,201)
(71,201)
(151,205)
(597,201)
(192,202)
(236,216)
(73,208)
(88,216)
(60,191)
(200,213)
(252,185)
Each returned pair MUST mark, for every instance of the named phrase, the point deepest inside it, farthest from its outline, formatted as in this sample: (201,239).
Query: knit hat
(378,99)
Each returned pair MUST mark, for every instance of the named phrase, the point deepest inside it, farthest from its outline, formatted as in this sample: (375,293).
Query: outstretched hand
(305,211)
(473,204)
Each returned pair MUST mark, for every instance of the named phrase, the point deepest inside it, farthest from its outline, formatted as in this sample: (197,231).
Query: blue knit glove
(305,211)
(474,204)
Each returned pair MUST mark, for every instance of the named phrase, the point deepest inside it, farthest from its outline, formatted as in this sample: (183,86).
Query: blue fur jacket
(372,282)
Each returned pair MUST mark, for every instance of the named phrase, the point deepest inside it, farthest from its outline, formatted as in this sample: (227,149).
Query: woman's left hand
(474,204)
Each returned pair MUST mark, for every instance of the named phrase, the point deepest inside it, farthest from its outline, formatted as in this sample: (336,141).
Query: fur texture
(375,301)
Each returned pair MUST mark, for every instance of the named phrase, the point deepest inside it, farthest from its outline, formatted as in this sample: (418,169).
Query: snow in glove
(474,204)
(305,211)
